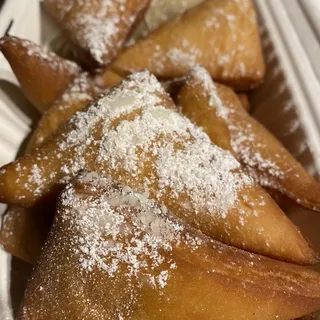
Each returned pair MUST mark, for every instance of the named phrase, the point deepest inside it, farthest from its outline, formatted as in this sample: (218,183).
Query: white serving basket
(288,103)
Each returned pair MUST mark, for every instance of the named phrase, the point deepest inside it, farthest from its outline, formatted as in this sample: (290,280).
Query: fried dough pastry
(217,110)
(82,91)
(133,135)
(22,231)
(43,75)
(79,94)
(114,254)
(221,35)
(97,29)
(159,12)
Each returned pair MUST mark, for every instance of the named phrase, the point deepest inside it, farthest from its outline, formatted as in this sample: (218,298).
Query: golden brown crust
(213,195)
(221,35)
(96,29)
(259,151)
(43,75)
(203,279)
(78,95)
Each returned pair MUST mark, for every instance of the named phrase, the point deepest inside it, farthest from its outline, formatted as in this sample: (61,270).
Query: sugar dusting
(81,91)
(100,27)
(158,13)
(206,173)
(241,138)
(122,227)
(121,236)
(49,58)
(78,90)
(221,32)
(143,142)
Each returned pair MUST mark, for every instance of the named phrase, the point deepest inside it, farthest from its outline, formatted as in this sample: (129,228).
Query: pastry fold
(221,35)
(97,29)
(114,254)
(134,135)
(218,111)
(43,75)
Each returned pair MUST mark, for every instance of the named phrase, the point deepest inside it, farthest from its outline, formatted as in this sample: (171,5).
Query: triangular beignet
(114,254)
(268,162)
(133,135)
(96,28)
(221,35)
(43,75)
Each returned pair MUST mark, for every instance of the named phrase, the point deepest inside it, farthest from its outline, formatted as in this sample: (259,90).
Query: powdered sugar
(98,27)
(186,171)
(133,136)
(122,227)
(36,51)
(184,54)
(241,145)
(78,90)
(36,178)
(203,78)
(161,11)
(97,33)
(158,13)
(242,137)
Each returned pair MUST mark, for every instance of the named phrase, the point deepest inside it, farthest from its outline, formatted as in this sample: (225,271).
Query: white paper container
(287,103)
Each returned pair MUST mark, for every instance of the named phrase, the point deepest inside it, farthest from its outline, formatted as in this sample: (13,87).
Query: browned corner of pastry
(220,35)
(96,29)
(113,253)
(43,75)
